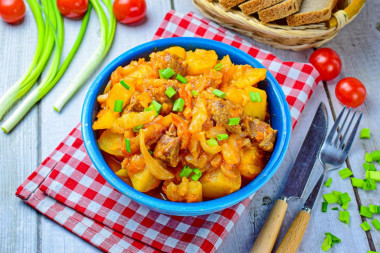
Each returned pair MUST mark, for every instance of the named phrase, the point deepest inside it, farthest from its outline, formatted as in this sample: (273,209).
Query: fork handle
(293,237)
(268,234)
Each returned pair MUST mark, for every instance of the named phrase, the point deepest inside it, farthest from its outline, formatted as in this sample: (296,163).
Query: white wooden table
(25,230)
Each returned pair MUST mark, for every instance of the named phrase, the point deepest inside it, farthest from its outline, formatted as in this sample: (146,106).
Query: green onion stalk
(22,85)
(55,72)
(107,35)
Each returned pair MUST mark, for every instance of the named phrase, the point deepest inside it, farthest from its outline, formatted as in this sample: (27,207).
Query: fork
(333,153)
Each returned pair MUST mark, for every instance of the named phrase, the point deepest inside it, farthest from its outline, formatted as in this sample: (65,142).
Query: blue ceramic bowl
(278,107)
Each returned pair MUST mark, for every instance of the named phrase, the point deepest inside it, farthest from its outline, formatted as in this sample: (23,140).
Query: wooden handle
(268,234)
(351,10)
(295,233)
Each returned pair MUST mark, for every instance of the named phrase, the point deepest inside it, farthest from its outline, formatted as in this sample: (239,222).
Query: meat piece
(163,60)
(222,110)
(260,132)
(139,101)
(167,148)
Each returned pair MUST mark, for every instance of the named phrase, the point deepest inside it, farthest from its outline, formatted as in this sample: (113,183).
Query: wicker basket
(282,36)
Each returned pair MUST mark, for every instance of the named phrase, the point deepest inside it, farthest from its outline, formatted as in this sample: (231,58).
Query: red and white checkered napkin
(68,189)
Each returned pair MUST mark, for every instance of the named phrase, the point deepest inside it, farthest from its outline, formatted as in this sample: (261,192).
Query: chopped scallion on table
(328,182)
(369,166)
(233,121)
(335,208)
(125,84)
(218,93)
(222,137)
(376,224)
(357,182)
(344,173)
(170,92)
(197,175)
(365,226)
(324,206)
(218,66)
(136,129)
(369,185)
(128,145)
(330,198)
(194,93)
(166,73)
(365,133)
(375,155)
(181,79)
(212,142)
(368,158)
(344,216)
(118,106)
(364,211)
(178,105)
(344,199)
(329,241)
(185,172)
(375,175)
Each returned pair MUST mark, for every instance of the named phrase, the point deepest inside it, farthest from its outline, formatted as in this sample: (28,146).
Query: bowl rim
(164,206)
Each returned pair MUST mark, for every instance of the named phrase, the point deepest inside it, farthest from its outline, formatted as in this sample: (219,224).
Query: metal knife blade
(309,203)
(307,155)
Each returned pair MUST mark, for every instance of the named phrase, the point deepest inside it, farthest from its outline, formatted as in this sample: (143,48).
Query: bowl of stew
(186,126)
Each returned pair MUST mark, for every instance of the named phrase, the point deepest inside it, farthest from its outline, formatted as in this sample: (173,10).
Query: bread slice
(312,12)
(228,4)
(254,6)
(280,10)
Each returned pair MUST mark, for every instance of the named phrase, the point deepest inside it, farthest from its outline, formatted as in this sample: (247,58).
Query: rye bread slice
(228,4)
(280,10)
(254,6)
(312,12)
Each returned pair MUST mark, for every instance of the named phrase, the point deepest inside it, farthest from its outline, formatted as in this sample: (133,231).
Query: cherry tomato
(12,11)
(351,92)
(72,8)
(327,62)
(129,11)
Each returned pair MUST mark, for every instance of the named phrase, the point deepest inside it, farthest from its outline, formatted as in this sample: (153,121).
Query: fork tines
(342,131)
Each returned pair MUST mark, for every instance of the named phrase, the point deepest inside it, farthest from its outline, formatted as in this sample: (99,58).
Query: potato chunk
(111,142)
(216,184)
(186,191)
(144,181)
(200,61)
(252,163)
(245,76)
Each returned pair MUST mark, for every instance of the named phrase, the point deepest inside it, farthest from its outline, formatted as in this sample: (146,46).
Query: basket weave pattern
(281,36)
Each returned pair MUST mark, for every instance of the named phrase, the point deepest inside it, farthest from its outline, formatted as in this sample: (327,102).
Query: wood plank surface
(42,130)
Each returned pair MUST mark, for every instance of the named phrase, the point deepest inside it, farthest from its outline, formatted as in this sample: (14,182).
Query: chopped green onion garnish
(194,93)
(344,173)
(374,209)
(344,199)
(218,66)
(375,155)
(186,171)
(219,93)
(369,166)
(329,241)
(136,129)
(328,182)
(335,208)
(365,226)
(375,175)
(324,207)
(365,134)
(181,79)
(170,92)
(178,105)
(222,137)
(357,182)
(128,145)
(369,185)
(125,84)
(376,224)
(160,72)
(197,174)
(255,96)
(368,158)
(166,73)
(154,106)
(212,142)
(233,121)
(330,198)
(344,216)
(118,106)
(364,211)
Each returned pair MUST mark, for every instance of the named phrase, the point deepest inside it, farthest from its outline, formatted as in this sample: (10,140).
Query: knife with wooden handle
(296,181)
